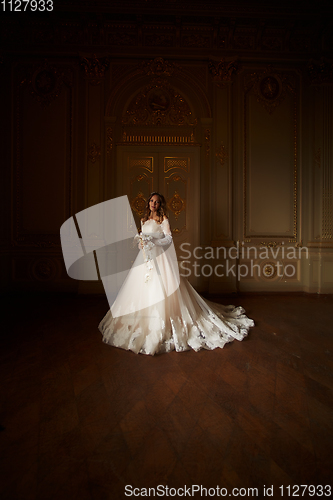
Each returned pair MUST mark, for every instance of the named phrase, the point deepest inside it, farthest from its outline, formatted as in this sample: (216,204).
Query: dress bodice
(152,226)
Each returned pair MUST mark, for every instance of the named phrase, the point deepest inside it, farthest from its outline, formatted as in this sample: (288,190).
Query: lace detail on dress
(156,322)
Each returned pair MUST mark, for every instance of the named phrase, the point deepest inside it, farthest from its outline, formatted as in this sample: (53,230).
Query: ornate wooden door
(172,171)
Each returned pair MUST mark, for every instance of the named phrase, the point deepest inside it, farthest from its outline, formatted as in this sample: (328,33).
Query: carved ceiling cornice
(195,7)
(308,33)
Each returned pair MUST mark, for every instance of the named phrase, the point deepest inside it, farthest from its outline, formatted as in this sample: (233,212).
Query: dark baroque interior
(226,107)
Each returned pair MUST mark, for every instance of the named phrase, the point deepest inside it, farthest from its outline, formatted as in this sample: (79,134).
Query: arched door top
(173,76)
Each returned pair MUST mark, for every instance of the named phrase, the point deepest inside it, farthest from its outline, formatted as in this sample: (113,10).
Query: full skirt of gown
(152,314)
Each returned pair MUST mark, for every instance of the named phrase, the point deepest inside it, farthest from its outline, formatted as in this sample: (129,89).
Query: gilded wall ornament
(138,204)
(176,204)
(158,67)
(269,87)
(207,141)
(95,68)
(269,270)
(222,154)
(94,153)
(44,269)
(222,71)
(270,244)
(46,82)
(158,104)
(320,72)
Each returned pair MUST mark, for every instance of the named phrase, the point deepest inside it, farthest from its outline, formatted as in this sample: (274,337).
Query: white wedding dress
(152,314)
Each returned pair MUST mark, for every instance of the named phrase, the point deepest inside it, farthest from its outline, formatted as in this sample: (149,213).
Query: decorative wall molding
(45,81)
(162,139)
(95,68)
(94,152)
(24,76)
(223,72)
(177,204)
(222,154)
(270,95)
(270,87)
(158,67)
(320,72)
(138,204)
(109,140)
(207,141)
(44,269)
(157,104)
(248,30)
(130,76)
(327,161)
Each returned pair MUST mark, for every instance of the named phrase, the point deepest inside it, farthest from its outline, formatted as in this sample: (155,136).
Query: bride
(157,310)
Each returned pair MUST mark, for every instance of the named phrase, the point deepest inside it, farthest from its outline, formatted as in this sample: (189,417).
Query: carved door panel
(174,172)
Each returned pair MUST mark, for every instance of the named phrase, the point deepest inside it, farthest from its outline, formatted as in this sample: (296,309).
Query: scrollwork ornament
(270,244)
(222,154)
(207,141)
(222,71)
(158,67)
(158,104)
(95,68)
(138,204)
(94,153)
(176,204)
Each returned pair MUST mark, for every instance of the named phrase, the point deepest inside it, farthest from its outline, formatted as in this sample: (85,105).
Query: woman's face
(154,203)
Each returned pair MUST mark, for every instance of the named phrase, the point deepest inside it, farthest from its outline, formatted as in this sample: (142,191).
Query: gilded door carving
(172,171)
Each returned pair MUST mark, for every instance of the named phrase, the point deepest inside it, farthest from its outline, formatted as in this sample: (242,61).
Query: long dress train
(152,314)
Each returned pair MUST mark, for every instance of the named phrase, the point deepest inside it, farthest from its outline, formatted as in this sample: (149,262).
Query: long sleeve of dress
(167,239)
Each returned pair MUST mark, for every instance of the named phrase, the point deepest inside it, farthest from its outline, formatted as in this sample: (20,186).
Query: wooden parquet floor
(81,419)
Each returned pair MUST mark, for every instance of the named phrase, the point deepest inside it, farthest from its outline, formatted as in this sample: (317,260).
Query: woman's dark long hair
(161,211)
